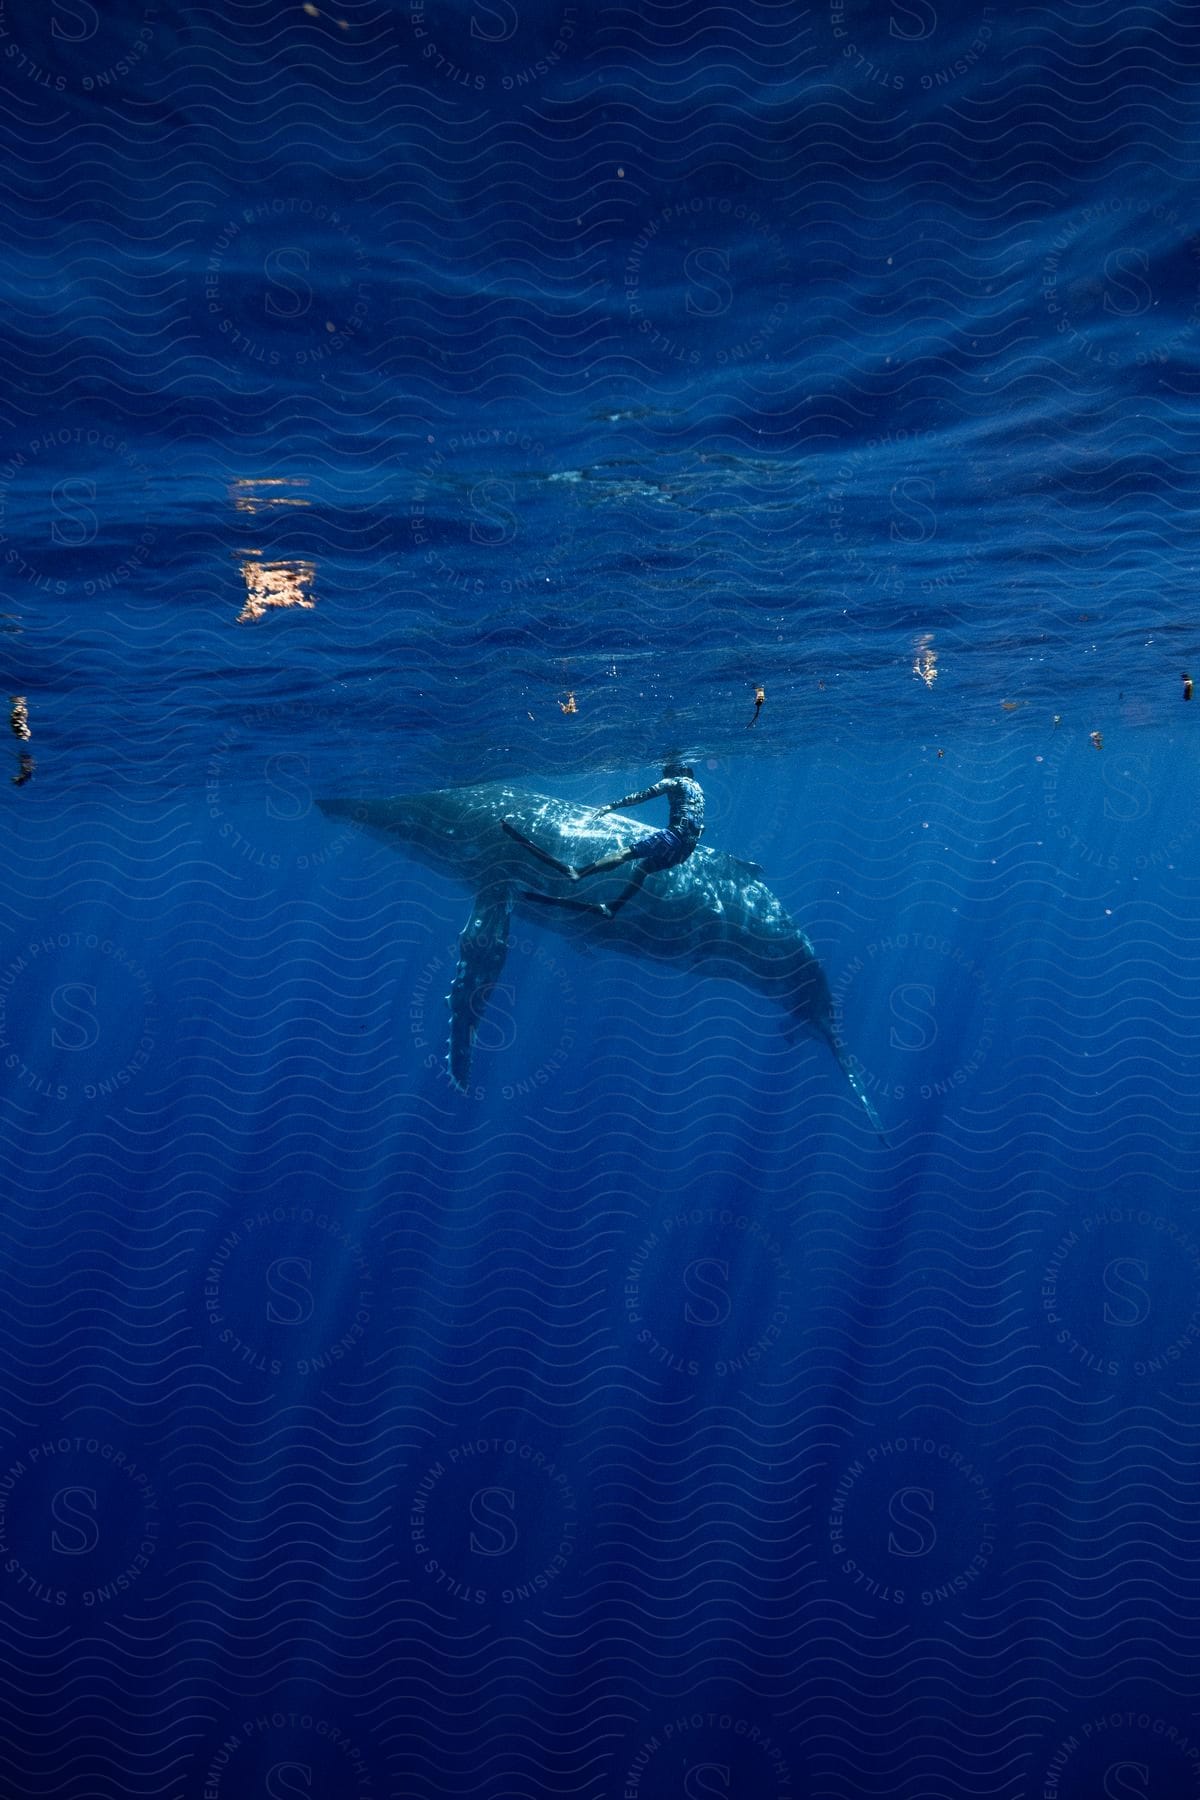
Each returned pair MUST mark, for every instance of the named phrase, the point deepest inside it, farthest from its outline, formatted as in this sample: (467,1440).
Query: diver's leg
(606,862)
(614,906)
(536,850)
(606,909)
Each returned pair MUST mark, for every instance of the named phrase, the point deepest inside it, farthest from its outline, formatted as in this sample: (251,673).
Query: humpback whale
(712,913)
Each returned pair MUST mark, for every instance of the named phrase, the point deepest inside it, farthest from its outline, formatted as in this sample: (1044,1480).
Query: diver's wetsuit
(661,850)
(685,824)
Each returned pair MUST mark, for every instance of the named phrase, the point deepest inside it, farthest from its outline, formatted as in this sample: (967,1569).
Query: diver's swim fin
(536,850)
(747,868)
(592,906)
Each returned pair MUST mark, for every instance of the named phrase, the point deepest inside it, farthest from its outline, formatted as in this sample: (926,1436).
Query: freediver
(663,849)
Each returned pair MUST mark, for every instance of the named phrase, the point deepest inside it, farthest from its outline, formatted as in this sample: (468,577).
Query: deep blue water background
(637,1425)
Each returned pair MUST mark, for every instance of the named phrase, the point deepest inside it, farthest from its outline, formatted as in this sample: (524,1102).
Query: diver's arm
(650,793)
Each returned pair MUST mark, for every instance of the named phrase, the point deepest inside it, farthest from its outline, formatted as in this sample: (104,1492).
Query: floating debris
(1187,685)
(925,660)
(18,717)
(27,766)
(759,697)
(1011,705)
(568,705)
(1097,741)
(1057,720)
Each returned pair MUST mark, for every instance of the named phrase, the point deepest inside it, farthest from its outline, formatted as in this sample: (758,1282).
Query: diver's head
(679,768)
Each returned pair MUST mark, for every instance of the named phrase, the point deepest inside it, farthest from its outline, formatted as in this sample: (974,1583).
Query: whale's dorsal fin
(482,948)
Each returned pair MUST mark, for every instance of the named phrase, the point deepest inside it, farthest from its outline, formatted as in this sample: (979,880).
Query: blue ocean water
(402,397)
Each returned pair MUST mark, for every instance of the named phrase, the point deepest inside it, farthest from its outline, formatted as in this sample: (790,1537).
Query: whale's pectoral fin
(482,948)
(854,1079)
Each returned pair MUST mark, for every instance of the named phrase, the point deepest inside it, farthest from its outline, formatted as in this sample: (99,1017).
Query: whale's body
(711,913)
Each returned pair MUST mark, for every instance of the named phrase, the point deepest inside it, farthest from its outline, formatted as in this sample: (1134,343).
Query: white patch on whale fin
(482,948)
(867,1103)
(826,1031)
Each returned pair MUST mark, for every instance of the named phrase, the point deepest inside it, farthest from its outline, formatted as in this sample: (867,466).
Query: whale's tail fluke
(854,1078)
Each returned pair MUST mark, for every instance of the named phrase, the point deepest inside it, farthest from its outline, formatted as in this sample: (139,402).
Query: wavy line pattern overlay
(404,395)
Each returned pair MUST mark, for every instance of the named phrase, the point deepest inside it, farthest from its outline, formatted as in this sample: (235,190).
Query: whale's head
(455,830)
